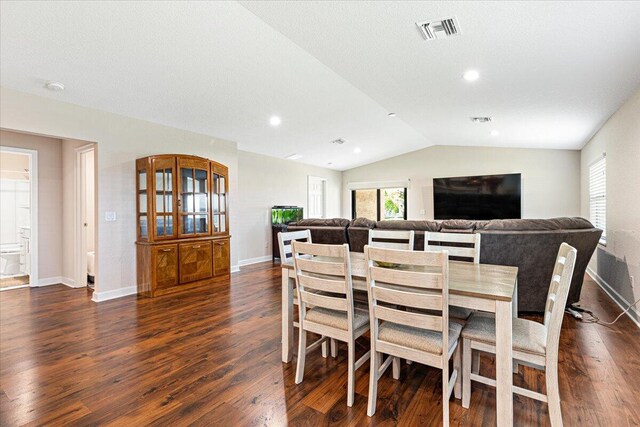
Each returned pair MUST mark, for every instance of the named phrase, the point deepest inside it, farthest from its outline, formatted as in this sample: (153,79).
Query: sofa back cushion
(323,222)
(564,223)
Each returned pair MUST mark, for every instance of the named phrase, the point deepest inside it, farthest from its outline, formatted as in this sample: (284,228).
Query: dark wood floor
(212,357)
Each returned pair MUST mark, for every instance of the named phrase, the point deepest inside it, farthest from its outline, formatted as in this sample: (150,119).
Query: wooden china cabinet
(182,221)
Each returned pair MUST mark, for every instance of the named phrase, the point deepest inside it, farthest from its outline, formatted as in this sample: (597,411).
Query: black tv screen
(477,197)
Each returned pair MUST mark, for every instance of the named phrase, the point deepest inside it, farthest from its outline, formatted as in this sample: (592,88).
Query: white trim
(255,260)
(48,281)
(79,232)
(33,233)
(235,269)
(406,183)
(8,288)
(113,294)
(615,296)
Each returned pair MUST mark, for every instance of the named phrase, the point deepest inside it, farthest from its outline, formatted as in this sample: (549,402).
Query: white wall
(120,140)
(550,178)
(49,196)
(267,181)
(616,263)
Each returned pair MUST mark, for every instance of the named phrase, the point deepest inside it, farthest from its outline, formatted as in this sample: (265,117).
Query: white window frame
(598,195)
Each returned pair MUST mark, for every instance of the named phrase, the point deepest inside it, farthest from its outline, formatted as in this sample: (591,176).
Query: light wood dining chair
(285,240)
(392,239)
(435,241)
(331,314)
(534,344)
(420,281)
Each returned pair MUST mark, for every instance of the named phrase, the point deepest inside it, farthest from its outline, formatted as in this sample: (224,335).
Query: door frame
(79,231)
(311,178)
(33,214)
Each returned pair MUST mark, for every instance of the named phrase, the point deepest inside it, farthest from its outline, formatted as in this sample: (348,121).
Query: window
(379,204)
(598,196)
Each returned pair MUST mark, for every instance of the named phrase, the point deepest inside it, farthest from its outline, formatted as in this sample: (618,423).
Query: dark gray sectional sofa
(529,244)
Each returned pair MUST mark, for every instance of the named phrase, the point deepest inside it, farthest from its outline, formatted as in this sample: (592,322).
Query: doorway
(85,217)
(317,197)
(18,218)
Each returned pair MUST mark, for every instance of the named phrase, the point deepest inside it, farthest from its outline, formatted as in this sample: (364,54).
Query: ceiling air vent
(480,119)
(339,141)
(439,28)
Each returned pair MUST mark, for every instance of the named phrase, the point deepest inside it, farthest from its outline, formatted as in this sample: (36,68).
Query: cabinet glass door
(219,201)
(143,223)
(163,182)
(194,198)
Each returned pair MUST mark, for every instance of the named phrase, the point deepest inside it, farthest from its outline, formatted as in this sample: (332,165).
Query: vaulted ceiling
(550,72)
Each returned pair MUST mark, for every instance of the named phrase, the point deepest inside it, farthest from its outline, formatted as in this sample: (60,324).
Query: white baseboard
(235,269)
(48,281)
(113,294)
(633,312)
(254,260)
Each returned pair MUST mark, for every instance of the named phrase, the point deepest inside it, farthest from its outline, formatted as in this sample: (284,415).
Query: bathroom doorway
(85,216)
(18,218)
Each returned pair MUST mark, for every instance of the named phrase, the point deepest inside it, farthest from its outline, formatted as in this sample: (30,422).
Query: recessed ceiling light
(294,156)
(357,150)
(471,75)
(54,86)
(275,121)
(480,119)
(391,114)
(330,163)
(495,133)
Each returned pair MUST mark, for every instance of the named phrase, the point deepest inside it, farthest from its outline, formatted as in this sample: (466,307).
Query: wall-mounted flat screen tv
(477,197)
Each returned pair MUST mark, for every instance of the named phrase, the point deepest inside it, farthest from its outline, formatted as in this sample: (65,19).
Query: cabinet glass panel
(222,185)
(216,223)
(168,202)
(142,180)
(168,223)
(223,223)
(160,226)
(160,201)
(187,202)
(186,178)
(201,203)
(201,223)
(223,203)
(159,180)
(215,202)
(143,202)
(201,181)
(144,232)
(187,224)
(168,179)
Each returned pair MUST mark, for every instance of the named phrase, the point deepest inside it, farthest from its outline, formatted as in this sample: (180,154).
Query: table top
(495,282)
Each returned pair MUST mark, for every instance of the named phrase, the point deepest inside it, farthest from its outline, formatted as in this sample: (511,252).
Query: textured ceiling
(551,72)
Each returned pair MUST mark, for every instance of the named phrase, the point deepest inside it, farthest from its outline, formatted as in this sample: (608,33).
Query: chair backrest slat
(318,300)
(323,284)
(407,257)
(321,267)
(407,278)
(392,239)
(285,239)
(408,299)
(557,295)
(436,241)
(417,320)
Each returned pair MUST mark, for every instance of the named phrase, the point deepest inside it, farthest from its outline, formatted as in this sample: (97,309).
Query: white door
(317,197)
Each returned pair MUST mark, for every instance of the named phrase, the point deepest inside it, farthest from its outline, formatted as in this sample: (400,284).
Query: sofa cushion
(458,225)
(362,222)
(320,222)
(574,223)
(418,225)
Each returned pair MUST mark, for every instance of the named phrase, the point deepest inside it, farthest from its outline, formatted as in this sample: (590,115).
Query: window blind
(598,196)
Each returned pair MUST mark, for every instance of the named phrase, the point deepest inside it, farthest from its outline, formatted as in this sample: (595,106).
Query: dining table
(481,287)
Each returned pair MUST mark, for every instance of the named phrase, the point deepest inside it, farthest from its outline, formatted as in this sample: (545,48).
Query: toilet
(10,259)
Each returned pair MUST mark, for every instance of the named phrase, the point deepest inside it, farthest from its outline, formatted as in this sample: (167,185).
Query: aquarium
(285,214)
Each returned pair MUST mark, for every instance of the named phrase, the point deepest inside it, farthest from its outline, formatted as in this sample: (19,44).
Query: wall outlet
(266,243)
(422,211)
(110,216)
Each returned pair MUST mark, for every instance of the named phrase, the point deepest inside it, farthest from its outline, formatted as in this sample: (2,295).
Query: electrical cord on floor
(595,319)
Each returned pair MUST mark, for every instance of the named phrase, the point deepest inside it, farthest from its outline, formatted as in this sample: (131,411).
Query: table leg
(504,367)
(287,316)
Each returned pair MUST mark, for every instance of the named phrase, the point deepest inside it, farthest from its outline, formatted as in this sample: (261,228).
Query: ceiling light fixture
(391,114)
(357,150)
(495,133)
(471,75)
(54,86)
(275,121)
(294,156)
(480,119)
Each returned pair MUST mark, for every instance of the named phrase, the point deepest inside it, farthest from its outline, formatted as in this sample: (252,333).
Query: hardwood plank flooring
(211,356)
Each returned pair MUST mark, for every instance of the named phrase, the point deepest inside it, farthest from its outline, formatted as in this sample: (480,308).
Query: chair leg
(325,349)
(457,367)
(445,394)
(553,396)
(352,374)
(334,348)
(374,365)
(302,353)
(395,364)
(466,373)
